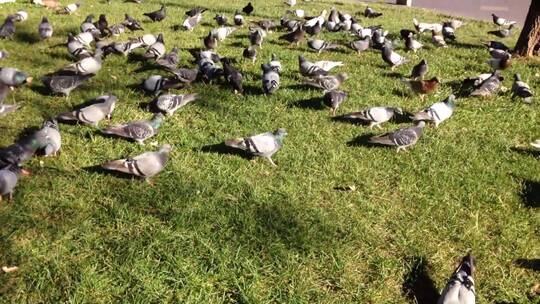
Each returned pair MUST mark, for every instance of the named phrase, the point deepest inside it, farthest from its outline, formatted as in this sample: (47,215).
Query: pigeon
(411,44)
(455,24)
(131,23)
(270,79)
(210,42)
(256,36)
(88,26)
(521,89)
(144,40)
(460,287)
(156,50)
(250,53)
(425,27)
(496,45)
(497,53)
(20,16)
(536,144)
(501,21)
(19,152)
(191,22)
(158,15)
(371,13)
(7,29)
(328,82)
(222,32)
(102,25)
(437,39)
(209,69)
(290,3)
(238,19)
(85,38)
(275,64)
(267,25)
(64,84)
(248,9)
(9,177)
(500,63)
(6,109)
(375,115)
(156,83)
(92,114)
(316,20)
(333,99)
(138,131)
(295,36)
(3,54)
(186,76)
(419,70)
(196,11)
(321,45)
(221,19)
(49,138)
(86,66)
(311,30)
(392,58)
(327,65)
(404,33)
(169,103)
(13,78)
(309,69)
(76,48)
(402,138)
(448,33)
(422,87)
(360,45)
(170,60)
(70,8)
(117,29)
(45,29)
(489,86)
(438,112)
(145,165)
(264,145)
(300,13)
(233,76)
(378,38)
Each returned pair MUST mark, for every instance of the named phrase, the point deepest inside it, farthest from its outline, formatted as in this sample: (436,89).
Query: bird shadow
(253,90)
(417,285)
(40,89)
(300,86)
(363,141)
(530,193)
(533,264)
(100,170)
(136,57)
(526,151)
(459,89)
(393,75)
(314,103)
(221,148)
(27,37)
(465,45)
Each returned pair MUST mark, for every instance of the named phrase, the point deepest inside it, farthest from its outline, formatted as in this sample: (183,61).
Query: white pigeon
(86,66)
(317,20)
(190,22)
(290,3)
(327,65)
(438,112)
(222,32)
(425,27)
(85,38)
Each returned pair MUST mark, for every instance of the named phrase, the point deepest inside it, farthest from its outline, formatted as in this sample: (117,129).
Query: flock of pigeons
(91,46)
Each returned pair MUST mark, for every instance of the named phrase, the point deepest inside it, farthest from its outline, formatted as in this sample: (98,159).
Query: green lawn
(219,228)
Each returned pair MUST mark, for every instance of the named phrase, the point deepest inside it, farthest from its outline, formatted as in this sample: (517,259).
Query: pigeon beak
(12,88)
(29,80)
(26,172)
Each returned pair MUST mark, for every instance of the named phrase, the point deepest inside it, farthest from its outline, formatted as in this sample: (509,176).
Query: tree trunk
(528,43)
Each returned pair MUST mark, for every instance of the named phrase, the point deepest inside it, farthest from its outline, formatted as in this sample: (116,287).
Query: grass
(217,228)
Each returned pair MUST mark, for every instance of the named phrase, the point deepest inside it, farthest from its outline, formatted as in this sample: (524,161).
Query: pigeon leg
(10,197)
(150,181)
(379,126)
(393,68)
(140,142)
(271,161)
(0,198)
(422,97)
(334,111)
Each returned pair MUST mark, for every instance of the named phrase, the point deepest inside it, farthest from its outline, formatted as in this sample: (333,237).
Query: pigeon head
(517,77)
(102,17)
(280,134)
(21,78)
(44,20)
(468,265)
(160,38)
(89,18)
(398,111)
(157,120)
(166,148)
(51,123)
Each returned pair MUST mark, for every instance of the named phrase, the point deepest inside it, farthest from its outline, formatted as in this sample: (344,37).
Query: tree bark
(528,43)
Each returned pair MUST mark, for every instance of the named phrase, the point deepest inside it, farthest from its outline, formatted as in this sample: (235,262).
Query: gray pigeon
(438,112)
(19,152)
(94,113)
(238,19)
(158,15)
(419,70)
(7,29)
(138,131)
(309,69)
(49,138)
(489,86)
(392,58)
(275,64)
(375,115)
(221,19)
(170,60)
(327,83)
(192,21)
(86,66)
(321,45)
(186,75)
(333,99)
(64,84)
(401,138)
(117,29)
(45,29)
(270,79)
(521,89)
(145,165)
(13,78)
(9,176)
(156,50)
(76,48)
(265,144)
(411,44)
(169,103)
(256,36)
(156,83)
(250,53)
(360,45)
(3,54)
(460,287)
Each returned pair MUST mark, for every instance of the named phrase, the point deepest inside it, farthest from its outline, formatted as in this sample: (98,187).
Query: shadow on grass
(100,170)
(363,141)
(417,286)
(27,37)
(394,75)
(314,103)
(526,151)
(221,148)
(459,88)
(530,193)
(533,264)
